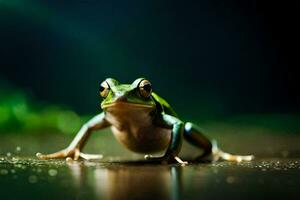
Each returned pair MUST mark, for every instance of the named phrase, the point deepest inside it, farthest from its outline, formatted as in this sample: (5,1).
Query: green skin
(144,123)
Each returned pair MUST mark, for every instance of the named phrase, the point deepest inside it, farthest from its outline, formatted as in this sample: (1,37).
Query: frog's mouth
(126,105)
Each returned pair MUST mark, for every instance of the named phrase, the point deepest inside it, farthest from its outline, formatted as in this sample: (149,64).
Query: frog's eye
(145,88)
(104,89)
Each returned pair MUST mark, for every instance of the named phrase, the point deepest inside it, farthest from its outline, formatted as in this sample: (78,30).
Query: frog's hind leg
(193,135)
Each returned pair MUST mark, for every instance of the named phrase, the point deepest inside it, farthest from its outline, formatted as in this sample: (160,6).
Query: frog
(144,123)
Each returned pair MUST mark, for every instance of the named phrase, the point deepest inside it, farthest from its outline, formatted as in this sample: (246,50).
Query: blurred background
(213,60)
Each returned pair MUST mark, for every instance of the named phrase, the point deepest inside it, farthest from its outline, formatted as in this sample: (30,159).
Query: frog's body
(134,128)
(143,122)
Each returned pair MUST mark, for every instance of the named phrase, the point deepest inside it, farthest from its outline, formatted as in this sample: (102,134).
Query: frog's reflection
(130,181)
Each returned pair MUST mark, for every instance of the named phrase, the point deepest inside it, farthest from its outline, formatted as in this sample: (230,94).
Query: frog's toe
(44,156)
(244,158)
(39,155)
(90,156)
(154,159)
(166,159)
(69,159)
(180,161)
(148,157)
(60,154)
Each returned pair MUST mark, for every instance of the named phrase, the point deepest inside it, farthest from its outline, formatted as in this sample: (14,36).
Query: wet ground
(274,174)
(28,178)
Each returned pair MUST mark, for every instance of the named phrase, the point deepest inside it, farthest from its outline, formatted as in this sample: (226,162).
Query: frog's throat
(126,104)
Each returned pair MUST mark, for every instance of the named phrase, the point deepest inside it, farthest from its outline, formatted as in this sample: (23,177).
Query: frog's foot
(166,159)
(234,158)
(69,154)
(218,154)
(180,161)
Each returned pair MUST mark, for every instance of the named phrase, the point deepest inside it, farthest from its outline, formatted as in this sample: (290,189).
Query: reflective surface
(27,178)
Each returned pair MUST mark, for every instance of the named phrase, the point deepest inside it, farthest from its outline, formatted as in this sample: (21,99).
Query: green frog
(143,122)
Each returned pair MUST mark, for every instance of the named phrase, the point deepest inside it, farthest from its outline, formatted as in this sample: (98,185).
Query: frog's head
(126,96)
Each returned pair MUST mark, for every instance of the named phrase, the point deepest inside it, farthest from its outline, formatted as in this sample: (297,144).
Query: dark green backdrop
(220,57)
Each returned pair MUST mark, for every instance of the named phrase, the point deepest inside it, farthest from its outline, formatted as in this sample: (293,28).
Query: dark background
(221,57)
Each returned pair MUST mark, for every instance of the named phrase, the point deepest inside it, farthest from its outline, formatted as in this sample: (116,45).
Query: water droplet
(52,172)
(230,179)
(8,154)
(3,171)
(32,179)
(14,159)
(18,149)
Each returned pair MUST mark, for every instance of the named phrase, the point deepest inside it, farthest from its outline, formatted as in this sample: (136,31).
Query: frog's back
(165,106)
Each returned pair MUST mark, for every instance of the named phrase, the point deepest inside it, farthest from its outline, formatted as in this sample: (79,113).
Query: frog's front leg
(193,135)
(73,150)
(177,126)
